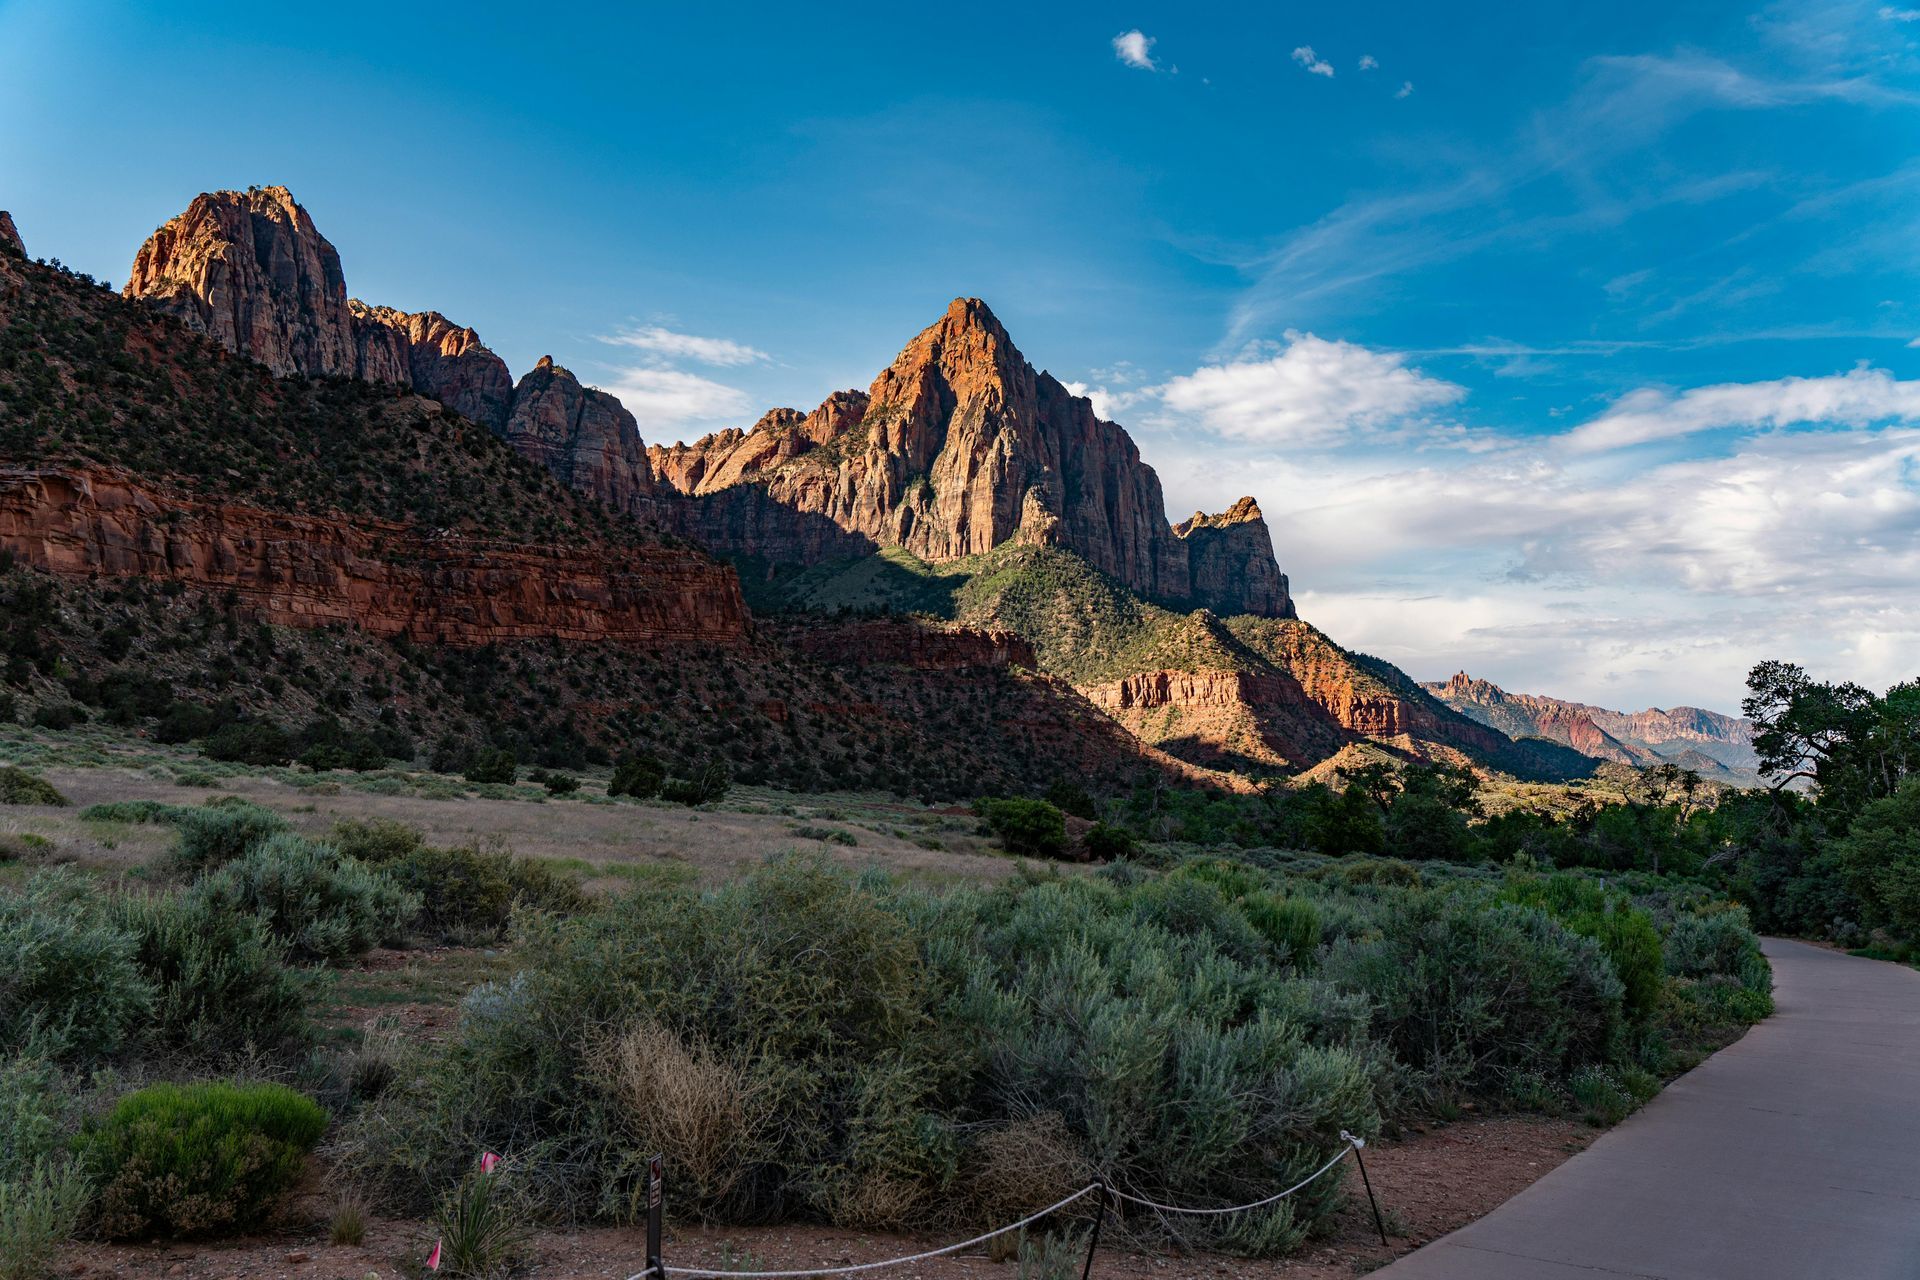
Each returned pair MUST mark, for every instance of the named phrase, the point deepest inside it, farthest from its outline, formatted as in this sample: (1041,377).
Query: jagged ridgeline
(963,490)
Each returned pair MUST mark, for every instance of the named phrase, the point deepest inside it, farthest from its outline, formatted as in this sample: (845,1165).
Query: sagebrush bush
(17,786)
(812,1043)
(468,894)
(375,840)
(320,905)
(1718,945)
(136,811)
(1468,990)
(221,983)
(197,1160)
(214,835)
(70,982)
(40,1208)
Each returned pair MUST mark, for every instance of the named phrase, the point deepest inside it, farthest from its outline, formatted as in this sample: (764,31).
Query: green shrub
(222,985)
(320,905)
(560,784)
(253,742)
(1602,1099)
(17,786)
(467,894)
(1030,827)
(494,765)
(70,985)
(1718,945)
(1468,990)
(1292,925)
(214,835)
(198,1160)
(375,840)
(639,776)
(40,1209)
(1105,842)
(712,784)
(134,811)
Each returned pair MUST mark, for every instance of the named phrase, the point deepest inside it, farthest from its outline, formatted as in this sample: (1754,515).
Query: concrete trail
(1793,1154)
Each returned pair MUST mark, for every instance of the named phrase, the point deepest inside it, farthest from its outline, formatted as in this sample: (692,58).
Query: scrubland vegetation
(808,1042)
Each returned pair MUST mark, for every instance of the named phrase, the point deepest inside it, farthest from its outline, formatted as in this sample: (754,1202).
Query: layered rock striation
(384,577)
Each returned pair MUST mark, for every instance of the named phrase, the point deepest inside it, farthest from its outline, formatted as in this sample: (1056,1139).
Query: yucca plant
(481,1229)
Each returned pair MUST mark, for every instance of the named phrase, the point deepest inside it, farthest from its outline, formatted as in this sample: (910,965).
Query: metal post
(1100,1218)
(656,1183)
(1367,1182)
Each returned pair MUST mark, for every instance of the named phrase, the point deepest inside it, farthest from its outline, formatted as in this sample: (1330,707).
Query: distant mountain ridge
(1711,743)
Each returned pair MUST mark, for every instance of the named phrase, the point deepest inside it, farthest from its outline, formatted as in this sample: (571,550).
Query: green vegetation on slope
(87,376)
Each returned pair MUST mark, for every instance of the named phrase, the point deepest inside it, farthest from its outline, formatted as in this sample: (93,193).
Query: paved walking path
(1794,1153)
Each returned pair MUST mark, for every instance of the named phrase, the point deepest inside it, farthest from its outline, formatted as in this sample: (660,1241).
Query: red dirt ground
(1429,1183)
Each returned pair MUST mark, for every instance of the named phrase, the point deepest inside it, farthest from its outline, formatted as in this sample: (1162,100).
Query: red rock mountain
(10,235)
(1637,738)
(958,447)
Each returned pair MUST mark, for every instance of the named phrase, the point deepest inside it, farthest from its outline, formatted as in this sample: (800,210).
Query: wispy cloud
(1368,62)
(686,346)
(662,400)
(1135,49)
(1855,399)
(1405,90)
(1312,61)
(1891,14)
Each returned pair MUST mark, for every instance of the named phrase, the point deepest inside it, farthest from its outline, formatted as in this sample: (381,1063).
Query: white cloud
(1854,399)
(1892,14)
(661,399)
(1135,49)
(1313,390)
(1312,61)
(1405,90)
(1368,62)
(1589,573)
(686,346)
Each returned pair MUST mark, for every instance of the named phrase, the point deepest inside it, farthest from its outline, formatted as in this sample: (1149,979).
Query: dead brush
(706,1115)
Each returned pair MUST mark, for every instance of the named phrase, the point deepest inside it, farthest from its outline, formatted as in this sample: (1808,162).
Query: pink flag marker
(433,1259)
(488,1162)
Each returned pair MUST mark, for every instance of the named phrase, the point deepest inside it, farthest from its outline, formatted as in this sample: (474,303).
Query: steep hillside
(186,539)
(1258,696)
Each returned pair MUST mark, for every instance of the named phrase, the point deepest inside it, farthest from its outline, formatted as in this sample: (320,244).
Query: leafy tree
(1880,857)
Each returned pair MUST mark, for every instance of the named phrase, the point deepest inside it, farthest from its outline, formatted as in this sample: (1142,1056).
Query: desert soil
(1429,1182)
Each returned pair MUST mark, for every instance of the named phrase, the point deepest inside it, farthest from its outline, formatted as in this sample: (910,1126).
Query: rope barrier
(875,1266)
(1351,1147)
(1144,1203)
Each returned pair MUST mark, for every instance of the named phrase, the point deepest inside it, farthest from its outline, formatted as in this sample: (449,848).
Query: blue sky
(1572,345)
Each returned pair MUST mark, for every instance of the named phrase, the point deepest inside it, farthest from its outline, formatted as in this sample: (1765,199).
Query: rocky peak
(10,235)
(249,269)
(959,446)
(582,435)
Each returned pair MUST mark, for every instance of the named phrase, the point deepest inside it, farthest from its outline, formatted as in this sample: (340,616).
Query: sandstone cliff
(959,447)
(249,269)
(428,352)
(10,235)
(383,577)
(585,437)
